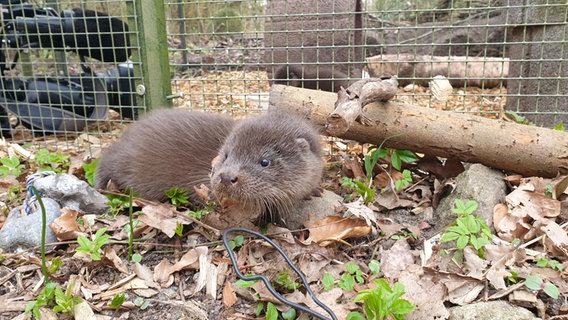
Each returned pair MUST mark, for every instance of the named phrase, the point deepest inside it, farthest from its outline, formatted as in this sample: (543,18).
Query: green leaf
(462,242)
(406,156)
(271,312)
(351,267)
(471,206)
(551,290)
(289,314)
(457,229)
(328,282)
(347,282)
(374,266)
(449,236)
(402,307)
(534,283)
(136,257)
(396,162)
(244,284)
(117,300)
(355,316)
(472,225)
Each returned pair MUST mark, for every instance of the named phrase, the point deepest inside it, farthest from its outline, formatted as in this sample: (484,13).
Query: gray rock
(23,231)
(491,310)
(479,183)
(316,208)
(72,193)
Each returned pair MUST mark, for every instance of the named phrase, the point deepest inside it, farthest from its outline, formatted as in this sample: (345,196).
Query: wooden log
(475,71)
(527,150)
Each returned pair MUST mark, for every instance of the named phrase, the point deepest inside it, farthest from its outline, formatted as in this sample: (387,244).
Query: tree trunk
(523,149)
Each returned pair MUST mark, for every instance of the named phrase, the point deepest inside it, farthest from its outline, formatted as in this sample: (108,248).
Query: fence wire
(503,58)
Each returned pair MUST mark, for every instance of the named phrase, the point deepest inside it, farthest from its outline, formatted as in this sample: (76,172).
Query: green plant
(353,274)
(90,171)
(179,229)
(236,242)
(382,301)
(536,283)
(93,247)
(405,181)
(199,214)
(51,161)
(11,166)
(374,266)
(328,281)
(117,204)
(360,187)
(52,295)
(117,301)
(178,196)
(284,280)
(554,264)
(518,118)
(468,229)
(55,264)
(559,127)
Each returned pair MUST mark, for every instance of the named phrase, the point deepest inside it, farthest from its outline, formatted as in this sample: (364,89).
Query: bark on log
(480,72)
(527,150)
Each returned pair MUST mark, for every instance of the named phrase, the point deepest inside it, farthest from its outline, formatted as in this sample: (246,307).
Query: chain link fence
(80,69)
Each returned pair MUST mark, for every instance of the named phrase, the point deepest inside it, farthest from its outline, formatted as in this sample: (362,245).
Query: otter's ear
(215,161)
(303,144)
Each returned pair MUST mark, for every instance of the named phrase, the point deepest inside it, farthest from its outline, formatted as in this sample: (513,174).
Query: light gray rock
(23,231)
(491,310)
(479,183)
(72,193)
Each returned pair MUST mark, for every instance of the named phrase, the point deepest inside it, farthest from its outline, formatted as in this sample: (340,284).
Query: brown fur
(326,78)
(167,148)
(176,147)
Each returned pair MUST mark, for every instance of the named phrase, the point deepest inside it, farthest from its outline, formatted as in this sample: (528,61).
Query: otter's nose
(228,178)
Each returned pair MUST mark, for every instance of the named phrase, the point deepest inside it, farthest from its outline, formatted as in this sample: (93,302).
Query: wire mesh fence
(502,57)
(65,65)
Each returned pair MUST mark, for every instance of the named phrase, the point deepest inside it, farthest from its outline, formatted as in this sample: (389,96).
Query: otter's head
(268,163)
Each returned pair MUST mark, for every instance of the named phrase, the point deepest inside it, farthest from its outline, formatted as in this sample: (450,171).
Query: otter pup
(263,164)
(323,77)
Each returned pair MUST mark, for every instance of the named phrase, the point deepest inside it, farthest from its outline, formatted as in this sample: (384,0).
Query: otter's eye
(265,162)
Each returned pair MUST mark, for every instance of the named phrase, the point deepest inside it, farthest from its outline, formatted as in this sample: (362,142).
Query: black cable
(267,282)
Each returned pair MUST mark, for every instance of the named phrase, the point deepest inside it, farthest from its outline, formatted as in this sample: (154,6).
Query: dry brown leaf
(143,272)
(475,265)
(556,240)
(461,289)
(359,209)
(388,227)
(390,200)
(229,295)
(524,201)
(161,217)
(509,227)
(333,228)
(496,277)
(117,262)
(164,270)
(65,226)
(428,296)
(396,259)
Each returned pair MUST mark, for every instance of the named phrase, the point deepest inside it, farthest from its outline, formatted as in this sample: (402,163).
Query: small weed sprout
(383,301)
(93,247)
(11,166)
(468,229)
